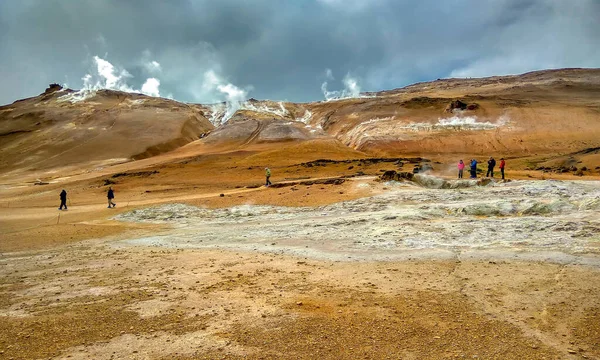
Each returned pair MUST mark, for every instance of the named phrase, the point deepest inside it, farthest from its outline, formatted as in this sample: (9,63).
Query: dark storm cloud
(281,49)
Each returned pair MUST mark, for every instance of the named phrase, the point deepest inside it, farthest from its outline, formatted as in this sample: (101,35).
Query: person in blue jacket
(473,169)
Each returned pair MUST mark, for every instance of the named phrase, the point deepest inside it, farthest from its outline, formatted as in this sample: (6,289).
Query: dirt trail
(17,211)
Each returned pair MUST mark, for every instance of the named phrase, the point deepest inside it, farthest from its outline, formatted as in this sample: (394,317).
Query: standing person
(110,196)
(63,200)
(461,167)
(268,175)
(473,169)
(491,165)
(502,165)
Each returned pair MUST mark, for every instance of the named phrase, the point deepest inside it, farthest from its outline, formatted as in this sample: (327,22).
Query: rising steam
(351,88)
(150,87)
(234,97)
(229,98)
(106,76)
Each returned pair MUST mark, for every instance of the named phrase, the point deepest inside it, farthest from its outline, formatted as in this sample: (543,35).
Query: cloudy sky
(209,50)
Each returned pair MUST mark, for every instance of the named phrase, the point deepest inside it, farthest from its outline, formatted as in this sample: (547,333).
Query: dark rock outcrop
(52,88)
(392,175)
(460,105)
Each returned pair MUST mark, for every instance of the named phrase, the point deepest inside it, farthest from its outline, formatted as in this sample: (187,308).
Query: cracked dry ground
(98,300)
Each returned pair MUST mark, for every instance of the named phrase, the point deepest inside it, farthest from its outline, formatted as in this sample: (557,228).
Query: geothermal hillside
(545,112)
(62,128)
(552,116)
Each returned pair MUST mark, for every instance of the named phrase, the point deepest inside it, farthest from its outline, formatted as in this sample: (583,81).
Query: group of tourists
(461,166)
(473,168)
(110,195)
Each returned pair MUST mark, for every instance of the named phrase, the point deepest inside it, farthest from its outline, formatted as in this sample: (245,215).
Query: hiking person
(110,195)
(502,165)
(268,175)
(63,200)
(461,167)
(491,165)
(473,169)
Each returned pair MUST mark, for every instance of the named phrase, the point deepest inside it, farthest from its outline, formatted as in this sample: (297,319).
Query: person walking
(110,195)
(63,200)
(473,169)
(491,165)
(502,166)
(268,176)
(461,167)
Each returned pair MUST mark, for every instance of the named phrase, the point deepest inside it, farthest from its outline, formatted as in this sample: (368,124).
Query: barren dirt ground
(298,272)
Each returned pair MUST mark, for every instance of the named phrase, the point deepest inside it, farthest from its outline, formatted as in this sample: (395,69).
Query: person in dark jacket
(473,169)
(63,200)
(110,196)
(491,165)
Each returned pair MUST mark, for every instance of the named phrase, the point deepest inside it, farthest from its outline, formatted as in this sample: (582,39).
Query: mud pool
(536,220)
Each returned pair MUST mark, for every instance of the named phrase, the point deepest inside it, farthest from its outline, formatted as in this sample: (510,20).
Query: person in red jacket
(461,167)
(502,165)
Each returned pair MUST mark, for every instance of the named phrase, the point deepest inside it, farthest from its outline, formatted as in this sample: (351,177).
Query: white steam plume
(329,74)
(234,96)
(107,76)
(153,67)
(150,87)
(351,88)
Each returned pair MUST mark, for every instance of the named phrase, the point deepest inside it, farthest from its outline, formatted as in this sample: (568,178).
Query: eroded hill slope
(52,131)
(546,112)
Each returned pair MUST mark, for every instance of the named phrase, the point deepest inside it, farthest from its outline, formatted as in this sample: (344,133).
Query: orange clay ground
(69,289)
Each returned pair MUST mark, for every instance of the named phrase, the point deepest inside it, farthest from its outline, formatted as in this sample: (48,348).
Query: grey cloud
(280,49)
